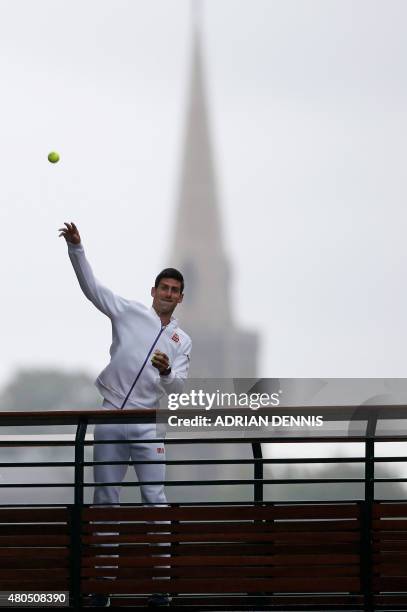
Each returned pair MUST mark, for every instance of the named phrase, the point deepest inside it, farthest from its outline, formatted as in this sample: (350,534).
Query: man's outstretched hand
(70,233)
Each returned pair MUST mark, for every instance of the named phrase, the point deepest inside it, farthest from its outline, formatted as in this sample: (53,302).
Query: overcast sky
(308,106)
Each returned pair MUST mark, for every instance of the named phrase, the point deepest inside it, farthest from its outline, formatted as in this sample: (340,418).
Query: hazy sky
(308,106)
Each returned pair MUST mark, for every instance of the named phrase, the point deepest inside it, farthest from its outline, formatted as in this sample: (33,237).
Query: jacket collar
(173,321)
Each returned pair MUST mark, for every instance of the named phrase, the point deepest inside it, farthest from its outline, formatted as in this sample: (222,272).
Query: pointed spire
(221,348)
(198,245)
(196,11)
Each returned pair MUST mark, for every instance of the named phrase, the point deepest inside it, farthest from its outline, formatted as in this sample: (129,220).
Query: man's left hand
(160,361)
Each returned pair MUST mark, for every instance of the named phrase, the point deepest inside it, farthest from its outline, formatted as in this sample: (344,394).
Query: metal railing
(370,415)
(366,417)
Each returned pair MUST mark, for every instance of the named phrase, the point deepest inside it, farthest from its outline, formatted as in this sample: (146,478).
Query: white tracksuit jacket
(136,332)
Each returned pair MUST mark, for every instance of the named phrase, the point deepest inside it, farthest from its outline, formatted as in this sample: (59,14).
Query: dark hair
(170,273)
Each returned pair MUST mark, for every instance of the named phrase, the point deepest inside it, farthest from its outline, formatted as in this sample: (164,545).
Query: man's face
(167,295)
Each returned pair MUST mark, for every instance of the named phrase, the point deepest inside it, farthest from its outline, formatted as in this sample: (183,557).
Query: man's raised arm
(104,299)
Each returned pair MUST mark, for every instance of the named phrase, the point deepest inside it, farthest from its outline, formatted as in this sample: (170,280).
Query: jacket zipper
(142,367)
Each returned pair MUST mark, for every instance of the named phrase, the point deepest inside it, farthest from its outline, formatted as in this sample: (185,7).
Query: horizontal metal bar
(188,483)
(194,441)
(390,459)
(207,461)
(29,443)
(390,479)
(230,461)
(190,462)
(248,481)
(264,439)
(278,503)
(40,464)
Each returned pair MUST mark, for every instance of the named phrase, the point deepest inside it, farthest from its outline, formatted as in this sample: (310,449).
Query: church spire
(196,11)
(220,348)
(198,246)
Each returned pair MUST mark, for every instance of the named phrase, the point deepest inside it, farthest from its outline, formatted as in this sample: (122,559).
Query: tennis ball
(53,157)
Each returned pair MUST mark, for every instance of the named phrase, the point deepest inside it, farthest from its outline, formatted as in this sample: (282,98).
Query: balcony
(252,553)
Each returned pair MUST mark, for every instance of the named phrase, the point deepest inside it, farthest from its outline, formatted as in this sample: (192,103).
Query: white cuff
(167,379)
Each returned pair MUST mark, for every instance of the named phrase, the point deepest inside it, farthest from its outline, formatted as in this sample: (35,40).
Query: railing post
(258,472)
(76,515)
(367,514)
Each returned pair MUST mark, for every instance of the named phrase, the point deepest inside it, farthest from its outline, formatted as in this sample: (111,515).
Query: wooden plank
(225,527)
(397,583)
(198,513)
(390,569)
(236,561)
(315,525)
(305,602)
(164,538)
(389,525)
(348,547)
(389,510)
(226,549)
(392,560)
(121,527)
(213,572)
(223,585)
(181,561)
(389,536)
(395,559)
(33,529)
(303,539)
(32,563)
(35,540)
(58,584)
(252,602)
(130,550)
(387,546)
(34,515)
(269,543)
(240,549)
(192,513)
(393,599)
(35,552)
(25,574)
(307,539)
(249,603)
(321,511)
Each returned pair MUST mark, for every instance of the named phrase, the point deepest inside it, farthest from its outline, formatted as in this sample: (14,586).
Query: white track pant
(136,451)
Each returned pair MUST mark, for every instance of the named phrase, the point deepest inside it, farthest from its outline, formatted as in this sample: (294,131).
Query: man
(149,357)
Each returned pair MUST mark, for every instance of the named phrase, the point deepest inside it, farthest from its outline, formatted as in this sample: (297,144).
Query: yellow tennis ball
(53,157)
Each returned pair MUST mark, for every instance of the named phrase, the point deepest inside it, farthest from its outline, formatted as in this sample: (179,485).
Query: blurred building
(220,348)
